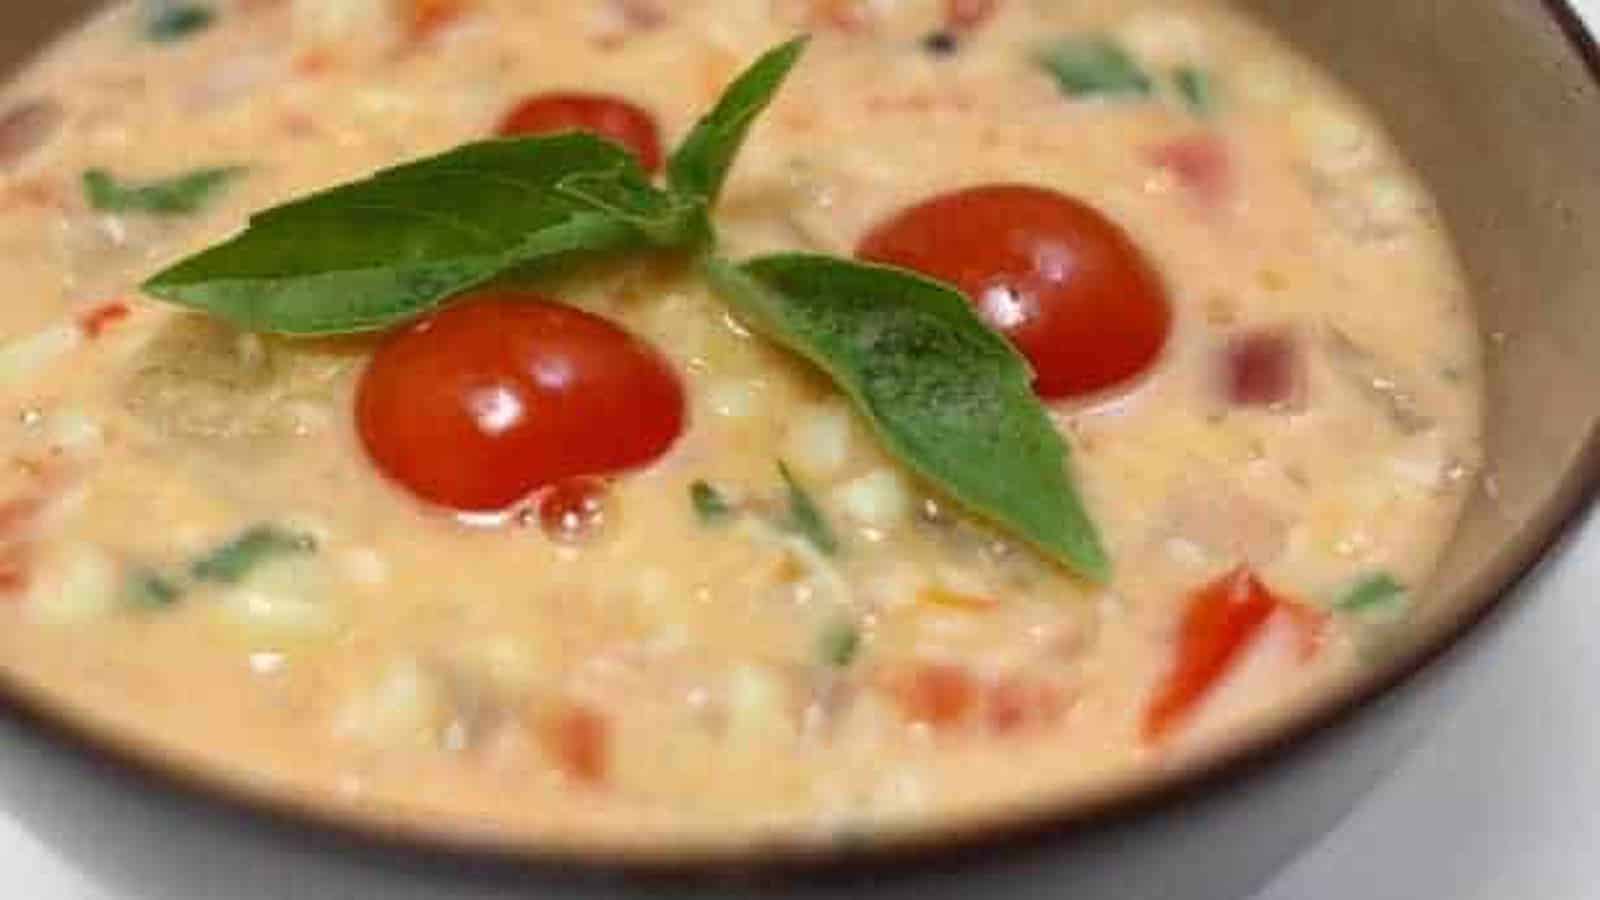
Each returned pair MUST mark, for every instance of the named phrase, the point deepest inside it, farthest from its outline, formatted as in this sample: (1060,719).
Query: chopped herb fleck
(1375,594)
(839,645)
(1195,87)
(179,195)
(709,504)
(166,22)
(147,589)
(805,517)
(1094,65)
(233,561)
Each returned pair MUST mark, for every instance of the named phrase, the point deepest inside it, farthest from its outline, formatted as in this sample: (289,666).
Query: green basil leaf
(666,220)
(168,21)
(709,504)
(1094,65)
(805,517)
(700,166)
(948,396)
(368,255)
(1380,593)
(232,562)
(1195,88)
(179,195)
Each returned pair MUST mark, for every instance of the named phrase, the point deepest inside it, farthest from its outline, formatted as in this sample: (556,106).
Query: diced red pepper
(1202,165)
(1262,368)
(966,15)
(579,738)
(97,321)
(1223,619)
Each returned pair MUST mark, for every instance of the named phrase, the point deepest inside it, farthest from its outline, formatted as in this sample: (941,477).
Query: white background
(1501,802)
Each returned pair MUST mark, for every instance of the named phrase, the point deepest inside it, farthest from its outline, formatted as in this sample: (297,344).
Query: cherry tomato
(612,118)
(1065,284)
(480,406)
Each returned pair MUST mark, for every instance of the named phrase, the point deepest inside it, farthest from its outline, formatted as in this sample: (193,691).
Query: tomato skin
(1063,282)
(612,118)
(1223,619)
(480,406)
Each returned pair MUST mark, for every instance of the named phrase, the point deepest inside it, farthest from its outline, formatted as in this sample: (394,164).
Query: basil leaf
(370,254)
(948,396)
(233,561)
(179,195)
(700,166)
(666,220)
(1378,593)
(1195,87)
(168,21)
(805,517)
(709,504)
(1094,65)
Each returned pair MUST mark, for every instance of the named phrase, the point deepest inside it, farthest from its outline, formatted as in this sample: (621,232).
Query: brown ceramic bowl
(1497,103)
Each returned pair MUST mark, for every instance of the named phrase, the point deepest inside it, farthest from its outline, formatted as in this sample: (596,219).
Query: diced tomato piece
(1262,368)
(579,739)
(965,15)
(97,321)
(939,695)
(1201,163)
(844,15)
(1311,629)
(15,570)
(426,18)
(1015,705)
(1223,619)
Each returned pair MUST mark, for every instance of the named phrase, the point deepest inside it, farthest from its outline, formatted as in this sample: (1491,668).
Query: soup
(591,556)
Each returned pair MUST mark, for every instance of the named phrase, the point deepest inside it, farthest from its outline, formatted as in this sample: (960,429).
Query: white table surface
(1501,802)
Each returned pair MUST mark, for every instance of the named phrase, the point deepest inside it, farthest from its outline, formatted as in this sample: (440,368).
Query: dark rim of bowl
(935,851)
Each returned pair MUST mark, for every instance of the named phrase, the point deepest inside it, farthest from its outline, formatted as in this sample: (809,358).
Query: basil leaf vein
(947,395)
(368,255)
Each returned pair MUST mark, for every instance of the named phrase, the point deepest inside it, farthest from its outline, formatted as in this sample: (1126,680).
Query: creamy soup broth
(644,675)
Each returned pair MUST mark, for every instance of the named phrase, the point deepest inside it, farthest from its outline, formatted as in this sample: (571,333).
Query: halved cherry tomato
(609,117)
(1063,282)
(480,406)
(1223,620)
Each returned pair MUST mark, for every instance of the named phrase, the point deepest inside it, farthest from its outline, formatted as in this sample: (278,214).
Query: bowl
(1497,103)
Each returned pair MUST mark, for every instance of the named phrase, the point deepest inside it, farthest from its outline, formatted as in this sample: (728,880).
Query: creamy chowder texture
(199,553)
